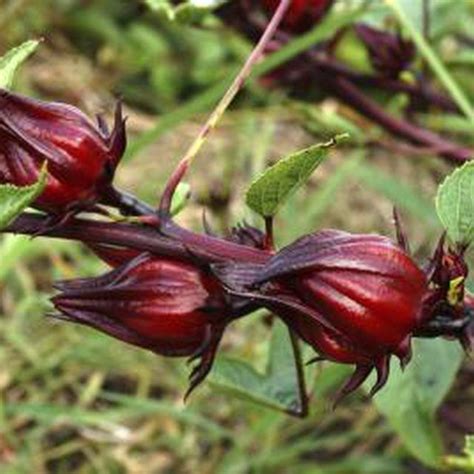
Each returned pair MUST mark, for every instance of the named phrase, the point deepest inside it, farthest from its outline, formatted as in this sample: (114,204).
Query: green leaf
(10,62)
(279,387)
(14,199)
(455,204)
(410,399)
(269,191)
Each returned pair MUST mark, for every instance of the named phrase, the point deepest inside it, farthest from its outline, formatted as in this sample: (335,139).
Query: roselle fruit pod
(356,299)
(365,285)
(389,53)
(168,306)
(81,158)
(302,14)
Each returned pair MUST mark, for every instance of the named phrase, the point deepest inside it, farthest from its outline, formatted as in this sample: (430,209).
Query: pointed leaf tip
(10,62)
(270,190)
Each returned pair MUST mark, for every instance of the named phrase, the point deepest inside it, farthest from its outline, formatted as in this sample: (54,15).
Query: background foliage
(76,401)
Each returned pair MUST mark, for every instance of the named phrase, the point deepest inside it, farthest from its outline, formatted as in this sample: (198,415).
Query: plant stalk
(222,106)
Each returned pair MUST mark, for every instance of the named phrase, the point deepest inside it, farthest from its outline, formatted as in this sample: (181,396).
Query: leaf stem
(303,410)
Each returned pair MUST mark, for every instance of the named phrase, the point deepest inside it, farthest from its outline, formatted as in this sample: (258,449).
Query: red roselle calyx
(389,53)
(355,298)
(81,158)
(302,14)
(169,306)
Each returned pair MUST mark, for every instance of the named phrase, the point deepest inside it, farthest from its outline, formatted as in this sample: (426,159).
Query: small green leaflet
(180,198)
(279,387)
(269,191)
(13,199)
(10,61)
(455,204)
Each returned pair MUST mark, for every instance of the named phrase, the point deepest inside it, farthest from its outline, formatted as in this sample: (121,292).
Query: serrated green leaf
(277,388)
(14,199)
(410,399)
(455,204)
(10,62)
(269,191)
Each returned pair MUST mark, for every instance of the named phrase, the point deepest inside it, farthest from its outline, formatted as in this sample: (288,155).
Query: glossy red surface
(81,158)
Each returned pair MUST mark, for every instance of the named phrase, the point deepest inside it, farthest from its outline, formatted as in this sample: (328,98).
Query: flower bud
(446,304)
(168,306)
(81,158)
(389,53)
(302,14)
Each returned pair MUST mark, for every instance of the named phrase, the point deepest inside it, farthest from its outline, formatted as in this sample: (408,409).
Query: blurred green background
(75,401)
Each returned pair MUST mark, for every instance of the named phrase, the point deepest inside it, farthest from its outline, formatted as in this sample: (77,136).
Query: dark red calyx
(446,272)
(334,347)
(81,157)
(389,53)
(366,286)
(168,306)
(355,298)
(302,15)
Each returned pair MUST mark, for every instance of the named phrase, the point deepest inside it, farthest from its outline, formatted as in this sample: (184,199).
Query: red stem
(204,249)
(351,95)
(232,91)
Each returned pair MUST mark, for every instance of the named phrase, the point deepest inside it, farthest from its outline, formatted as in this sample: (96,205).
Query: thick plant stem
(141,238)
(343,83)
(421,93)
(352,96)
(317,60)
(201,248)
(224,103)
